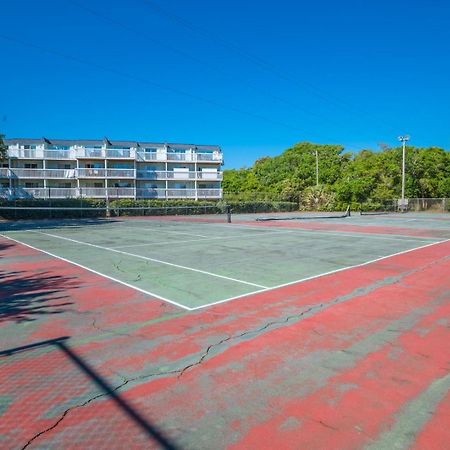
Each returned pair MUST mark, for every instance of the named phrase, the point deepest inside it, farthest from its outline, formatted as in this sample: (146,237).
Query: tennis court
(191,332)
(195,264)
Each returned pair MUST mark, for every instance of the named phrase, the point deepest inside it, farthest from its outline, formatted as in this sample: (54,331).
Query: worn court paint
(242,266)
(251,341)
(353,228)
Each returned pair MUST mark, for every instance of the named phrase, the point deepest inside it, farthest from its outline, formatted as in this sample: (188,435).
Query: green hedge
(261,206)
(119,207)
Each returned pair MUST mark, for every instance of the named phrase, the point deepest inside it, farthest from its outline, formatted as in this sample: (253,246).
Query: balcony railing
(112,193)
(120,173)
(119,153)
(86,172)
(89,172)
(148,156)
(175,175)
(5,172)
(43,173)
(58,154)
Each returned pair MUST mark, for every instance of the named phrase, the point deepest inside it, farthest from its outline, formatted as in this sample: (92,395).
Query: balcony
(5,172)
(175,175)
(117,153)
(26,153)
(148,156)
(120,173)
(17,172)
(120,153)
(88,172)
(59,154)
(88,152)
(112,193)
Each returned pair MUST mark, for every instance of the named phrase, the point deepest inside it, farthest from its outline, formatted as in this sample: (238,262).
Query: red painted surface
(337,378)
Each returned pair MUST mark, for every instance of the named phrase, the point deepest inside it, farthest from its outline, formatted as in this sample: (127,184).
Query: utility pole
(403,140)
(317,167)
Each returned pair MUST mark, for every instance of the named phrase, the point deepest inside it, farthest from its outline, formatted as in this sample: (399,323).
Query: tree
(366,175)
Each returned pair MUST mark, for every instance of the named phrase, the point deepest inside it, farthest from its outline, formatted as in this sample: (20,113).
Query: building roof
(100,142)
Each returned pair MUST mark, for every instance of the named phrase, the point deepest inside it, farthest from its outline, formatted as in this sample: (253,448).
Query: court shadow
(25,296)
(153,432)
(35,224)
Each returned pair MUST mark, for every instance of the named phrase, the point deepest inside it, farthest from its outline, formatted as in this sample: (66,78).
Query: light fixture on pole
(403,140)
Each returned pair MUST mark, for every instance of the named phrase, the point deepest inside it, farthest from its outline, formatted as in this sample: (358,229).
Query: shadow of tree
(24,296)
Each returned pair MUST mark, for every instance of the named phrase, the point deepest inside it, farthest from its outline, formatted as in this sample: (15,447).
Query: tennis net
(301,215)
(200,213)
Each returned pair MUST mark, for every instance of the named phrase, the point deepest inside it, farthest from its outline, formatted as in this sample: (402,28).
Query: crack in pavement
(304,314)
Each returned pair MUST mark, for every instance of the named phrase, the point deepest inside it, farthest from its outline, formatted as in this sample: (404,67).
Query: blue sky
(251,76)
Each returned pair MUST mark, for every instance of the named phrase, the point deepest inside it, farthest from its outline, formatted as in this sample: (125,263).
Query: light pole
(317,167)
(403,140)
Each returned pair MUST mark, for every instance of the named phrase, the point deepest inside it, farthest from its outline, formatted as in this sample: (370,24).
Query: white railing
(180,193)
(43,173)
(121,192)
(59,154)
(147,156)
(120,153)
(88,172)
(209,193)
(111,192)
(90,153)
(216,176)
(125,153)
(120,173)
(175,175)
(150,193)
(5,172)
(26,153)
(178,157)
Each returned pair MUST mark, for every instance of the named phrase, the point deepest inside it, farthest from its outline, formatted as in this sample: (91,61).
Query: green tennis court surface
(195,264)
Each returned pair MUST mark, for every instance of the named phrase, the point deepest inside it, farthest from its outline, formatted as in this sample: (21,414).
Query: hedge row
(120,208)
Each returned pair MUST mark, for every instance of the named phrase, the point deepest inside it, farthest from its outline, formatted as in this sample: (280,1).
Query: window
(29,147)
(31,166)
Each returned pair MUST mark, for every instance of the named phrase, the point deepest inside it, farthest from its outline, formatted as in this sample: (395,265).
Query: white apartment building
(60,168)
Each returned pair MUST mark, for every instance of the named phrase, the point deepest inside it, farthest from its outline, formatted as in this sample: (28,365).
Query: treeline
(343,177)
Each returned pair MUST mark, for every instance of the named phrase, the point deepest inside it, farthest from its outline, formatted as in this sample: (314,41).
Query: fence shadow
(153,432)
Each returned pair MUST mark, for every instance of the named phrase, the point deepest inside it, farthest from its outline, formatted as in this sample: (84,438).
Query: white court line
(267,289)
(393,237)
(146,258)
(221,238)
(151,294)
(317,276)
(161,229)
(390,237)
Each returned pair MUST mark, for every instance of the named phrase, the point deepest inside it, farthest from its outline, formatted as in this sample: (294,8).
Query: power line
(263,64)
(148,37)
(149,82)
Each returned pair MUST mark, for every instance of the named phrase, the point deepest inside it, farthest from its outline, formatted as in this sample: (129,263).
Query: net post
(228,209)
(108,211)
(50,203)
